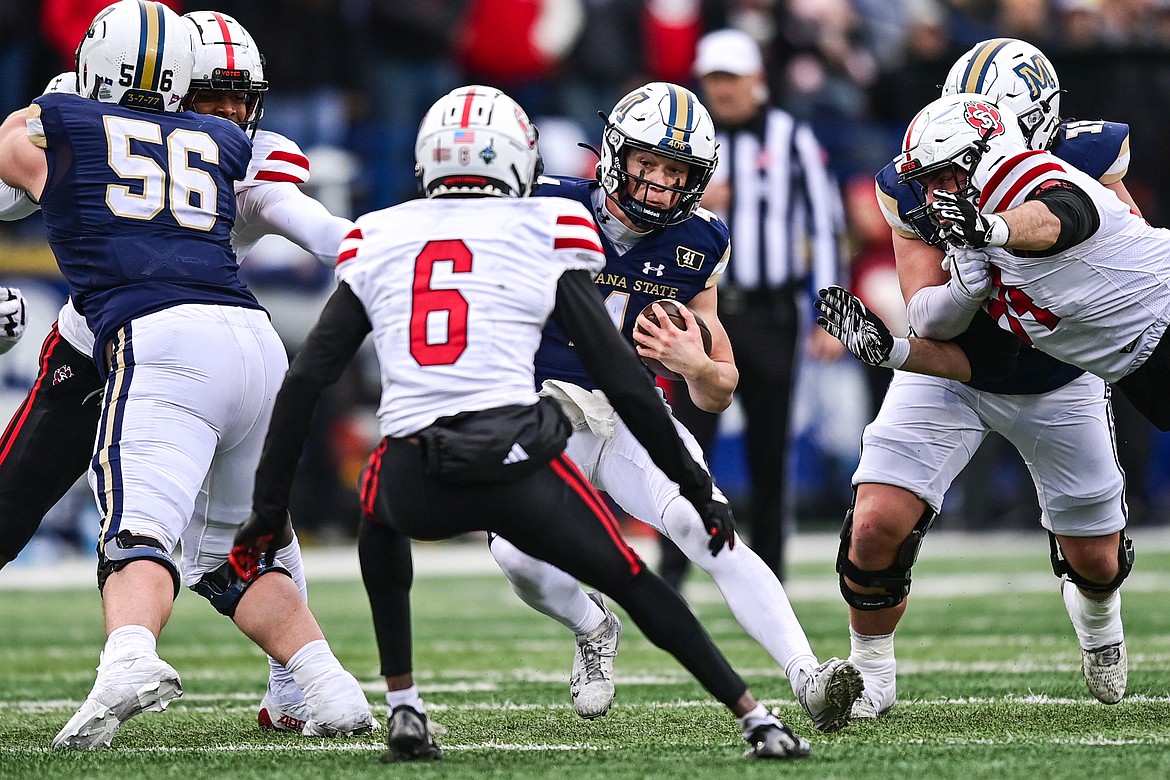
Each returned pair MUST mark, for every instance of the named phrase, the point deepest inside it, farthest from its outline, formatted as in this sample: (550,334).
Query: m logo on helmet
(984,117)
(1036,76)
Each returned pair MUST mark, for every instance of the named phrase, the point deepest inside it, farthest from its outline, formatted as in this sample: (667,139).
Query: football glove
(717,518)
(13,317)
(963,225)
(862,332)
(258,539)
(970,275)
(63,84)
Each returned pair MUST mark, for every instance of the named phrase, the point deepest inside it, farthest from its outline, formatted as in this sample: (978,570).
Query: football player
(48,443)
(928,428)
(658,153)
(456,289)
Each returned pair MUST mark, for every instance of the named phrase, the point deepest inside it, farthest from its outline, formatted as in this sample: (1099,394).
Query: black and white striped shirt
(785,213)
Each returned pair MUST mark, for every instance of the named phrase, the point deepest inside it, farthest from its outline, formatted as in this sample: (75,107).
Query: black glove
(717,518)
(258,539)
(963,225)
(846,318)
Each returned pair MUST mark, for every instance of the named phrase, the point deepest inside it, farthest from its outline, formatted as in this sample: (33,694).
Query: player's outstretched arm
(615,367)
(864,334)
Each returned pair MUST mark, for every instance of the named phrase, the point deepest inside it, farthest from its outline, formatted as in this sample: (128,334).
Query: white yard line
(471,557)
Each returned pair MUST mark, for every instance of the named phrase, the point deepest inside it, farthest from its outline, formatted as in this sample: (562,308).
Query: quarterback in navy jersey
(139,203)
(677,263)
(928,428)
(658,153)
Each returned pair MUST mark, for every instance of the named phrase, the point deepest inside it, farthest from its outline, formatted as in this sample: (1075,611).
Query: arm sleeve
(615,367)
(326,352)
(15,203)
(1074,208)
(290,213)
(937,312)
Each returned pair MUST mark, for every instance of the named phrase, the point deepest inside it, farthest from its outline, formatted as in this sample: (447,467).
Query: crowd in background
(349,80)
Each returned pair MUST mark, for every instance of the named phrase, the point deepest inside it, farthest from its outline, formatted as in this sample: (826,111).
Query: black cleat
(775,740)
(409,737)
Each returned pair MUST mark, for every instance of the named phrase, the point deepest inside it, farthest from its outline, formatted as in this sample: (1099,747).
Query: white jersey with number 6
(458,297)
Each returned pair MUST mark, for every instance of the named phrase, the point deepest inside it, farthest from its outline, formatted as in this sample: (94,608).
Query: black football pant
(553,514)
(48,443)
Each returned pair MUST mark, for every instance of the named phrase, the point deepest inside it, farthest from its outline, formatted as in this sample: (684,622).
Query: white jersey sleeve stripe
(1017,177)
(577,232)
(284,166)
(349,246)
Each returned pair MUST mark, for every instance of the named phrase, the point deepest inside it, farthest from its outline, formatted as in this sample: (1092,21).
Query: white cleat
(337,707)
(287,716)
(591,682)
(123,689)
(829,693)
(866,708)
(1106,671)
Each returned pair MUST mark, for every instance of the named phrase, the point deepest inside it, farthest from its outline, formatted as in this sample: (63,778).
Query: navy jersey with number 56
(677,262)
(139,207)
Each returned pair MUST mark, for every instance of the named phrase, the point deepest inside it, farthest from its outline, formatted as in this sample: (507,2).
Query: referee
(783,209)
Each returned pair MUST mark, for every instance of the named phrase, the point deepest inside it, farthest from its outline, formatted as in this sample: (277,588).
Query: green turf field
(989,686)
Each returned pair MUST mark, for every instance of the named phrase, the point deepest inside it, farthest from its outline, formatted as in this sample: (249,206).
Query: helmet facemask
(227,60)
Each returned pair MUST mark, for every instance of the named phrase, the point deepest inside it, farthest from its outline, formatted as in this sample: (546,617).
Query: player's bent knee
(893,582)
(1062,568)
(224,588)
(125,548)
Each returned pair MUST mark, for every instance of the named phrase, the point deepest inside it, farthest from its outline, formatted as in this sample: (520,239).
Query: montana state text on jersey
(677,262)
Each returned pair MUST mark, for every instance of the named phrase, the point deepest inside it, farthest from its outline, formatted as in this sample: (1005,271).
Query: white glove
(970,272)
(63,83)
(13,317)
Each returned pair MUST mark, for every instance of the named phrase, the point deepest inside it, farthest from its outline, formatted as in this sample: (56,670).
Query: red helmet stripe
(229,45)
(909,130)
(465,120)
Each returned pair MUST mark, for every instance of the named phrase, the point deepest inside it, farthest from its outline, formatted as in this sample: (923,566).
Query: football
(671,309)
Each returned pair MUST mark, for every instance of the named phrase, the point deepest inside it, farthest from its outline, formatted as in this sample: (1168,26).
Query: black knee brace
(126,547)
(1061,567)
(895,580)
(224,588)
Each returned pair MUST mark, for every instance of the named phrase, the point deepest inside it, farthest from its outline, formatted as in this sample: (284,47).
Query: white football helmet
(475,140)
(1017,76)
(137,54)
(967,133)
(669,121)
(227,59)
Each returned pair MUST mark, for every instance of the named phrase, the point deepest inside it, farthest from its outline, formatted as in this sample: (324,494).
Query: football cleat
(123,689)
(1106,671)
(409,737)
(337,707)
(829,692)
(591,681)
(289,716)
(866,708)
(775,740)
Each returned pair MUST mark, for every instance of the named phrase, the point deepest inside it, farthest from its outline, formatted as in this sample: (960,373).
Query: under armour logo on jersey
(61,374)
(515,455)
(689,258)
(653,269)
